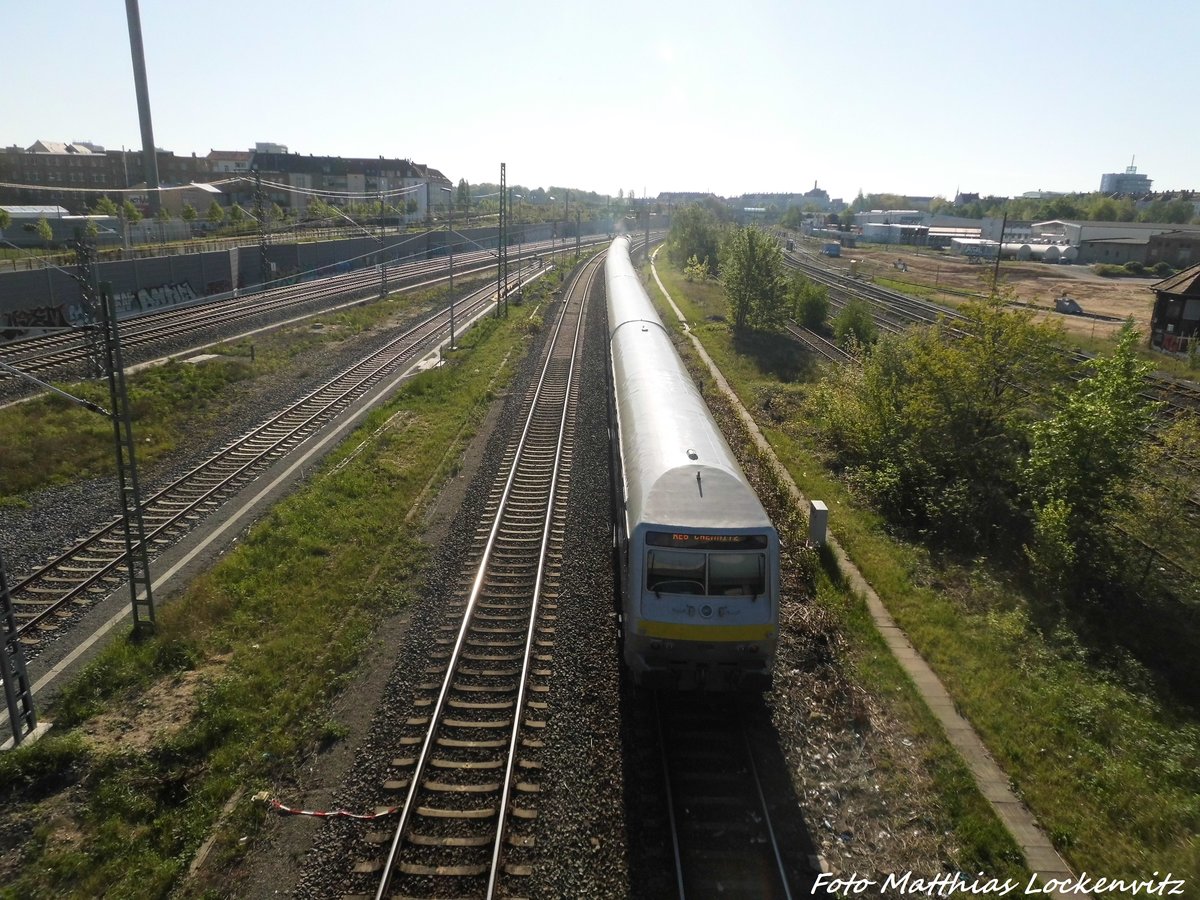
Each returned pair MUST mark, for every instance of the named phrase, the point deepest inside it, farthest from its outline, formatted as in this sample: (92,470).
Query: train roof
(679,471)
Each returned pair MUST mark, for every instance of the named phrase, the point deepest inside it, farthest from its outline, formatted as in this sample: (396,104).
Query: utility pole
(261,214)
(520,252)
(140,588)
(18,693)
(502,246)
(85,277)
(577,234)
(450,251)
(108,341)
(646,206)
(999,247)
(149,154)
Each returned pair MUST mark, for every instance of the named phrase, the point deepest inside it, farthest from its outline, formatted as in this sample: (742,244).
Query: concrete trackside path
(1040,854)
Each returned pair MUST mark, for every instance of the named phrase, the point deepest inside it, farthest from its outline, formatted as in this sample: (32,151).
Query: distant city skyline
(920,100)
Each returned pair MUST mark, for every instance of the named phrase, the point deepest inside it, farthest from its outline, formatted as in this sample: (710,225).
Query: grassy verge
(981,841)
(1110,767)
(113,803)
(50,440)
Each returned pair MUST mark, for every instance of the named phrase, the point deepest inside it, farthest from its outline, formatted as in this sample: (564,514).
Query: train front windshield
(736,571)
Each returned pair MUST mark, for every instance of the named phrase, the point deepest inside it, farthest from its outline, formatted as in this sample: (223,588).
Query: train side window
(736,574)
(673,572)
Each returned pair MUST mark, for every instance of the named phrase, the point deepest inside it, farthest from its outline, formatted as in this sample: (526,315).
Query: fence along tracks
(468,763)
(59,590)
(62,352)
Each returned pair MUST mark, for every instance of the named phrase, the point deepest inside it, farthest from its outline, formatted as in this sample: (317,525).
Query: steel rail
(494,875)
(55,351)
(725,778)
(359,377)
(422,761)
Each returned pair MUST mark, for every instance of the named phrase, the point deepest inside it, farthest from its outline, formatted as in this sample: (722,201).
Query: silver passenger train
(698,558)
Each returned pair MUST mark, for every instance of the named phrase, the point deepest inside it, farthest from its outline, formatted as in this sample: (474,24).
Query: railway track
(722,833)
(467,763)
(56,593)
(66,353)
(817,343)
(894,311)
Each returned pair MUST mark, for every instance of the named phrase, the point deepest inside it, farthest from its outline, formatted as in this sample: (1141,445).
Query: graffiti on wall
(20,322)
(128,302)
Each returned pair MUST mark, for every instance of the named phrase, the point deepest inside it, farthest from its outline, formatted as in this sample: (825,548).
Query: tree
(855,321)
(130,213)
(941,206)
(319,209)
(1064,207)
(105,207)
(237,215)
(1082,458)
(5,219)
(188,213)
(751,267)
(44,231)
(216,214)
(1163,474)
(463,195)
(91,229)
(694,233)
(794,216)
(276,213)
(809,301)
(163,215)
(933,426)
(1178,212)
(1103,210)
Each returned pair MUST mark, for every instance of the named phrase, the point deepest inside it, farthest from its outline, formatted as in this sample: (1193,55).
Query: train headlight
(706,611)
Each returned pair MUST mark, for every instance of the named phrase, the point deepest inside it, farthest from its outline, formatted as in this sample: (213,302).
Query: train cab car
(698,557)
(701,609)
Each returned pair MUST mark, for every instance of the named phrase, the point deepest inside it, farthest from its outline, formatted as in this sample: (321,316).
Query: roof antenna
(699,483)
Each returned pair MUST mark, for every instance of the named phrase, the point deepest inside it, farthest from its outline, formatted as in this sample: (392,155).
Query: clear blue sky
(911,97)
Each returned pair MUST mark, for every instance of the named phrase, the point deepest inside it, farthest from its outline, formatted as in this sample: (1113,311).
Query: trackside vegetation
(1030,525)
(113,803)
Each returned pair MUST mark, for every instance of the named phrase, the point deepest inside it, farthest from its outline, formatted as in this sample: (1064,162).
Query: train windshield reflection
(709,574)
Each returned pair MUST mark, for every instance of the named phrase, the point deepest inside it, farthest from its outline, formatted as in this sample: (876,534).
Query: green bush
(1163,269)
(1134,267)
(855,320)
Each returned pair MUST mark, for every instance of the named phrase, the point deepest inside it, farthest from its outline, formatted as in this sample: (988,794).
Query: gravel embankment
(56,517)
(581,816)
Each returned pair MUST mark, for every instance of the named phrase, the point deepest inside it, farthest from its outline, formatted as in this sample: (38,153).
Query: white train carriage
(698,557)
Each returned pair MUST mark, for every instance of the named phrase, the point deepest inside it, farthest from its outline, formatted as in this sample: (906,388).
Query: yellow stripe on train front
(680,631)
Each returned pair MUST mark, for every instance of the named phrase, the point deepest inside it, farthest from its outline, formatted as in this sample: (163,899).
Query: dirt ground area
(1036,284)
